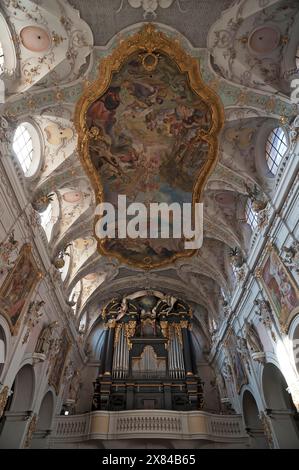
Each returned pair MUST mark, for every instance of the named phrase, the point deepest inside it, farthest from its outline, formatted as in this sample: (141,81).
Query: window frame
(46,215)
(8,46)
(276,149)
(251,216)
(36,159)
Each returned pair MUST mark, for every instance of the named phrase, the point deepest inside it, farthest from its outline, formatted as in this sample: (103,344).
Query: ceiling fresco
(152,136)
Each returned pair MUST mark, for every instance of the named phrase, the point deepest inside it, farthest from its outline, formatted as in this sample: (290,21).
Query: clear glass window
(276,148)
(251,215)
(23,147)
(45,217)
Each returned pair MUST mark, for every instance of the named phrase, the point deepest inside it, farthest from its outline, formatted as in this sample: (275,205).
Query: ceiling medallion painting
(147,129)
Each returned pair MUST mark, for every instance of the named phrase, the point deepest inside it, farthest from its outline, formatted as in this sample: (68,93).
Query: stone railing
(74,426)
(104,425)
(149,424)
(221,427)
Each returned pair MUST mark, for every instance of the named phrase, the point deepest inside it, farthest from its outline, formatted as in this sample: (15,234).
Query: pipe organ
(146,361)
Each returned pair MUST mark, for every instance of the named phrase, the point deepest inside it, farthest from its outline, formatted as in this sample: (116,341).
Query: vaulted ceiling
(48,89)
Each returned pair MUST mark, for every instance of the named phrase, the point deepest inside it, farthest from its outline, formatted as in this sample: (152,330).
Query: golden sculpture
(130,332)
(111,323)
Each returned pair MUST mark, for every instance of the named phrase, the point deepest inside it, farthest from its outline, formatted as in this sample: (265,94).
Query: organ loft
(147,355)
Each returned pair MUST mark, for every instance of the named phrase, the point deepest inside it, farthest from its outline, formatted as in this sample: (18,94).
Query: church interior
(137,342)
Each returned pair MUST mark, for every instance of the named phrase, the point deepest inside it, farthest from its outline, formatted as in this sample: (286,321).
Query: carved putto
(148,313)
(291,256)
(165,305)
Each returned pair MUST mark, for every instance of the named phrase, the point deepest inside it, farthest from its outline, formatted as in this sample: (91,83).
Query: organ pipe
(121,355)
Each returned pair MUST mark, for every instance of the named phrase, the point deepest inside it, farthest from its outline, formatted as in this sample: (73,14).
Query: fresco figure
(146,144)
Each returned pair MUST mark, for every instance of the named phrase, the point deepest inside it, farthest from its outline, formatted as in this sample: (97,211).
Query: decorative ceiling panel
(193,18)
(148,130)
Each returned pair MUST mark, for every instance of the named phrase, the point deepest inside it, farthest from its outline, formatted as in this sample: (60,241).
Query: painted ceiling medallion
(264,39)
(56,134)
(35,39)
(147,128)
(72,196)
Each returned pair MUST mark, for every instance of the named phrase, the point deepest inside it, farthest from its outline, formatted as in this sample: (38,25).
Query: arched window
(27,147)
(276,148)
(8,56)
(23,147)
(82,325)
(251,215)
(75,294)
(45,217)
(67,261)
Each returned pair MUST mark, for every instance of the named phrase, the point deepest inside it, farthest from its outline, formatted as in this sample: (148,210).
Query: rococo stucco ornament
(254,343)
(266,316)
(150,6)
(291,256)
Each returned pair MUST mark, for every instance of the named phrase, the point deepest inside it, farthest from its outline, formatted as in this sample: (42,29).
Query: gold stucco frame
(25,253)
(147,41)
(285,319)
